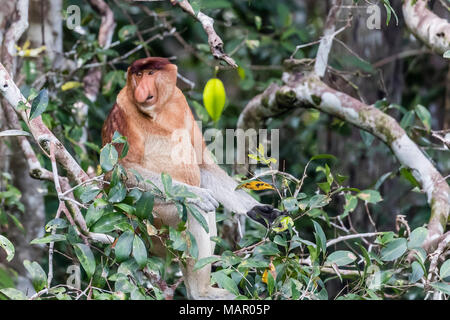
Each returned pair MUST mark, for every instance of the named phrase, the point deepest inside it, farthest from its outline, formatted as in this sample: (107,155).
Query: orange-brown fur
(141,129)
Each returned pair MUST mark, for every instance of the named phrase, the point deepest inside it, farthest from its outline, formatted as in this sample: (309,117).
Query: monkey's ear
(264,214)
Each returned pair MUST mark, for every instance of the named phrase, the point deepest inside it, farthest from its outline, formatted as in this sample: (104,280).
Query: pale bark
(427,26)
(215,42)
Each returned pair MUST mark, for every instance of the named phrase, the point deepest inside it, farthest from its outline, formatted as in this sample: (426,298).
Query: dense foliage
(339,236)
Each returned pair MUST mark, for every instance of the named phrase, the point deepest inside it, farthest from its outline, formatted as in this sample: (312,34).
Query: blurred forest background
(83,72)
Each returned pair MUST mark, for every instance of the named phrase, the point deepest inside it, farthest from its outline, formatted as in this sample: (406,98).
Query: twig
(352,236)
(215,42)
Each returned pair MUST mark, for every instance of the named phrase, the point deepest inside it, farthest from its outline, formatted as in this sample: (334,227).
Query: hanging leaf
(108,157)
(124,245)
(144,206)
(214,98)
(39,104)
(139,251)
(199,217)
(424,116)
(86,258)
(70,85)
(8,247)
(38,275)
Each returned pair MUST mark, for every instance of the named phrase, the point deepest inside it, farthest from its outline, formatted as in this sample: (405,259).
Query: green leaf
(39,104)
(167,183)
(204,261)
(109,222)
(95,212)
(108,157)
(125,208)
(351,202)
(318,201)
(417,237)
(8,247)
(117,193)
(86,258)
(268,249)
(144,206)
(406,173)
(56,223)
(178,241)
(214,98)
(424,116)
(407,120)
(89,193)
(370,196)
(442,287)
(290,204)
(225,282)
(199,217)
(341,257)
(444,272)
(49,238)
(127,31)
(321,235)
(447,54)
(201,112)
(124,245)
(323,156)
(139,251)
(394,249)
(14,294)
(38,275)
(417,272)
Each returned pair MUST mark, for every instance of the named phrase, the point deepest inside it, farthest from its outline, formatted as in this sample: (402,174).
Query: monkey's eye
(139,74)
(151,72)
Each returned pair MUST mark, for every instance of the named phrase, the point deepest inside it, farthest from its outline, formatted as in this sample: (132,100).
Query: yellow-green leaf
(214,98)
(70,85)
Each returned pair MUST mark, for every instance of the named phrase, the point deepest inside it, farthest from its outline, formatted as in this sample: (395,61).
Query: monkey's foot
(264,214)
(213,294)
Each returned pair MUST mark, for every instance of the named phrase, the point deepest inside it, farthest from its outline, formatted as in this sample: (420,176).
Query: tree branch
(215,42)
(426,26)
(309,91)
(40,132)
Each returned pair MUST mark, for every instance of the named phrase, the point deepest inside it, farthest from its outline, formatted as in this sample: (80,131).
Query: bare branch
(327,40)
(215,42)
(352,236)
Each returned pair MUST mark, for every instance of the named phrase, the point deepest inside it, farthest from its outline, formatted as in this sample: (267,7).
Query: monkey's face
(152,81)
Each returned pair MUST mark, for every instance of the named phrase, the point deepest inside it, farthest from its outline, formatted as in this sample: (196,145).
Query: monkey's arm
(205,200)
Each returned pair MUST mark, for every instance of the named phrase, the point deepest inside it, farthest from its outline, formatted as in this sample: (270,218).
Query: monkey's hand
(204,201)
(264,214)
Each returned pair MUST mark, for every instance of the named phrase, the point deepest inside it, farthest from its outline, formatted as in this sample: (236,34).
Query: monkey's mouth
(149,99)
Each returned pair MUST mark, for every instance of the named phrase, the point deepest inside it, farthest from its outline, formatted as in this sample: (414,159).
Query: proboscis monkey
(151,112)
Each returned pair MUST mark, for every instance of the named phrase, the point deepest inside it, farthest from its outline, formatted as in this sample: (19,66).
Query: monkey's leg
(198,282)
